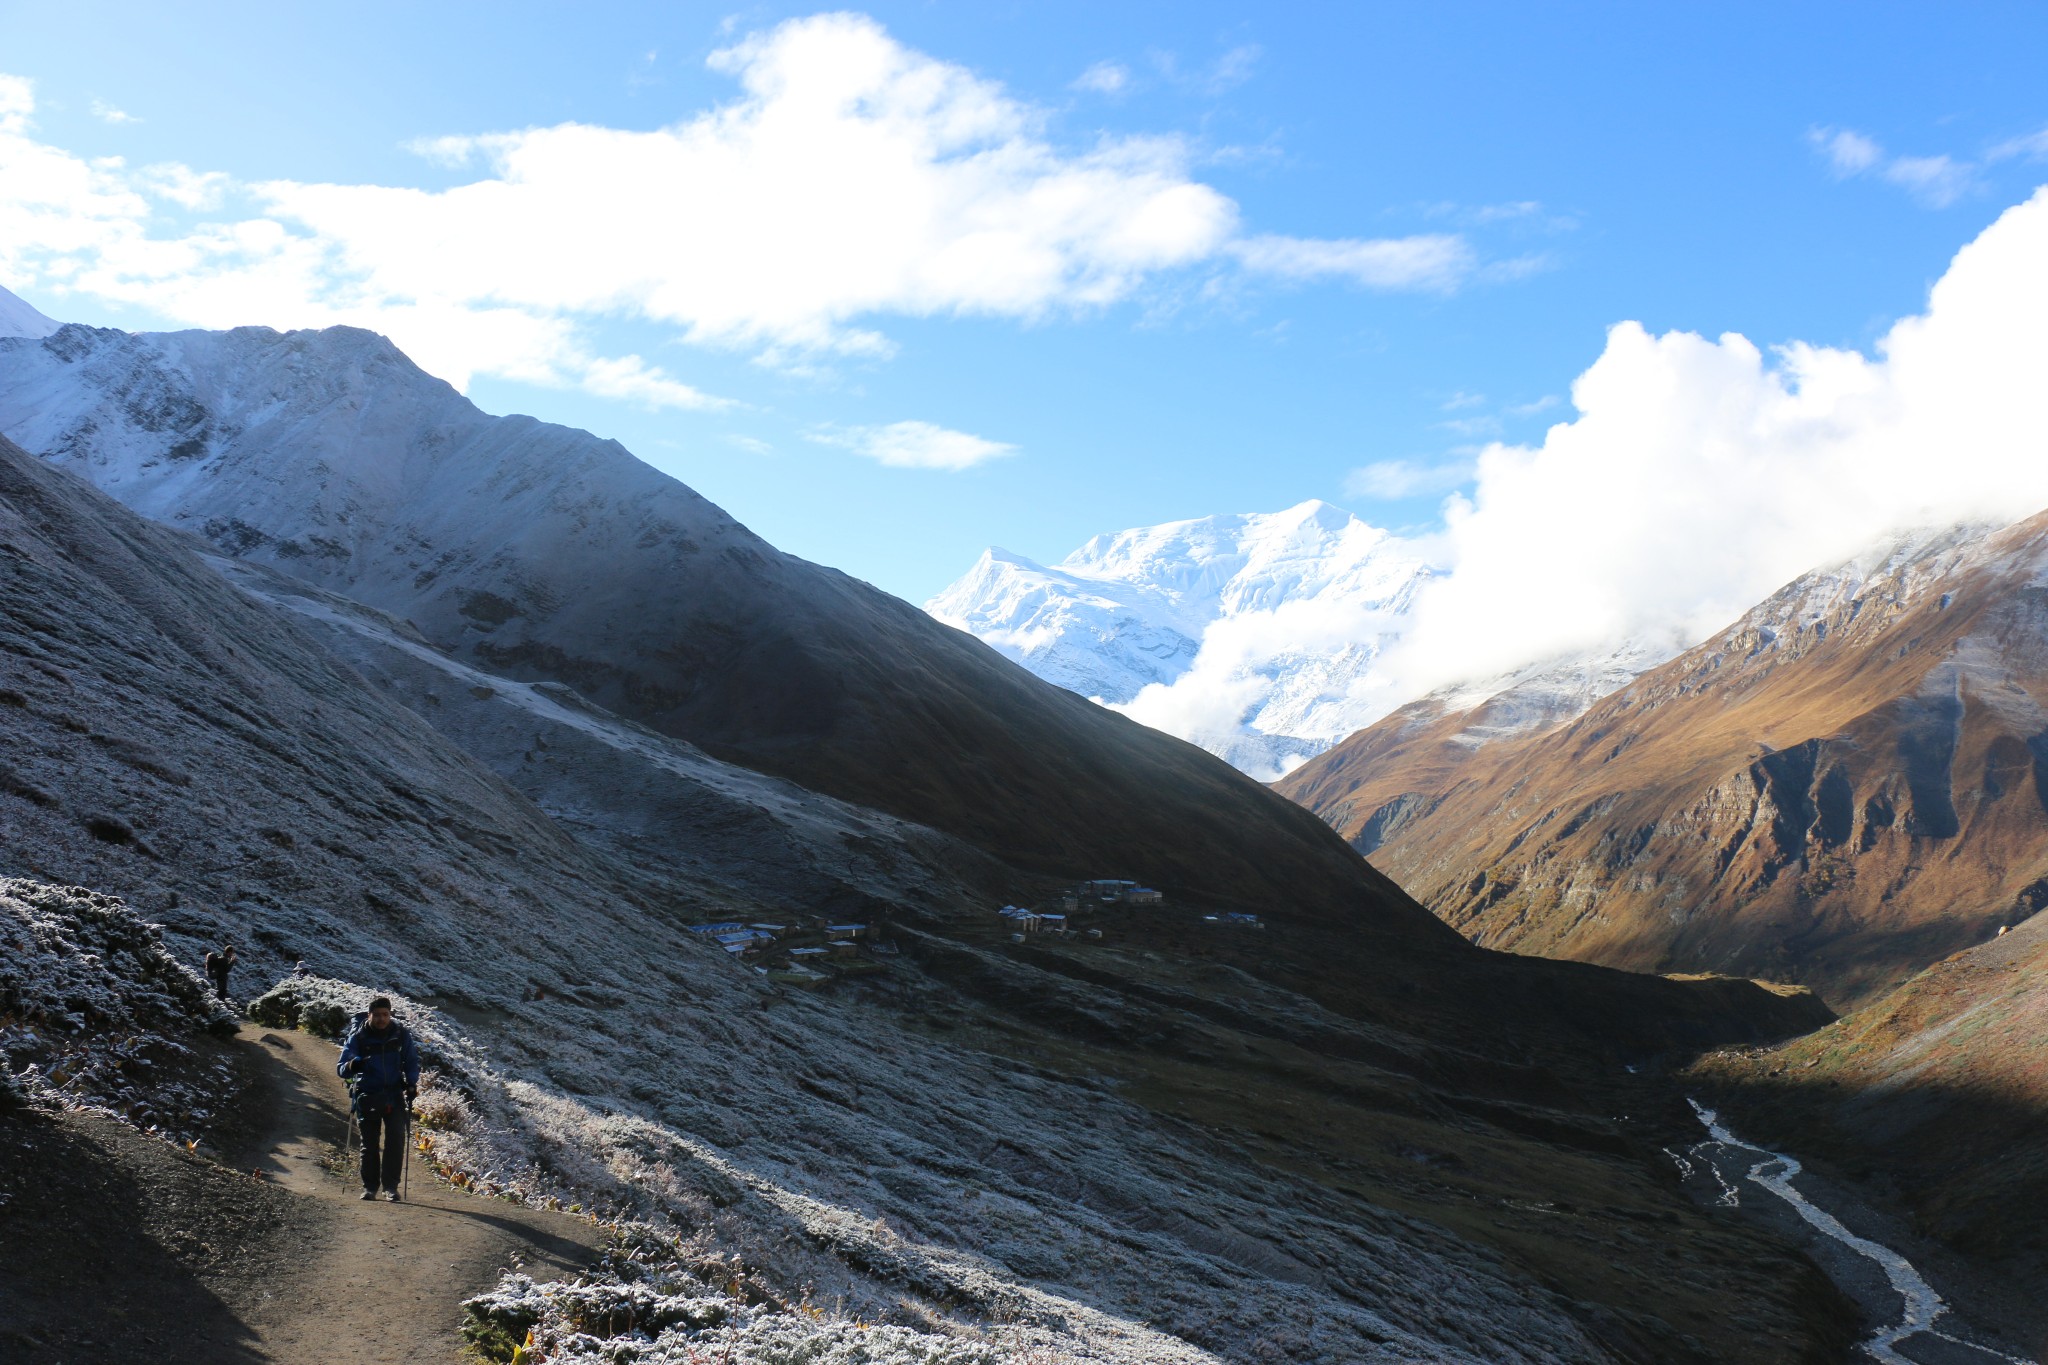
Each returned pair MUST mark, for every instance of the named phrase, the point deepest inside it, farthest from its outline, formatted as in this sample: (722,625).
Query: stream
(1904,1302)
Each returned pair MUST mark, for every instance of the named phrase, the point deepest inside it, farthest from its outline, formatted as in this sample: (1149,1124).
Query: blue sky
(1373,237)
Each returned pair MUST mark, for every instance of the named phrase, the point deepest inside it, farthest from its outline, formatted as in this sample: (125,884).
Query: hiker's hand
(412,1094)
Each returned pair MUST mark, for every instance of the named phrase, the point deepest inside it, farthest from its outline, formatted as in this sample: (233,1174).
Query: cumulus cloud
(914,445)
(849,179)
(1701,474)
(1935,181)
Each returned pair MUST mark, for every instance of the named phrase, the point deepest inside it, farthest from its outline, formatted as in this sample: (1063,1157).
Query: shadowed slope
(545,553)
(1937,1093)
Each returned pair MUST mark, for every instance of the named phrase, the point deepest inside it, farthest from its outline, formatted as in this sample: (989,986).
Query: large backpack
(356,1023)
(359,1021)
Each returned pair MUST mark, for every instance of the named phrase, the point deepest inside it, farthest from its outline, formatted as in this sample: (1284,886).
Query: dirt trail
(383,1283)
(115,1245)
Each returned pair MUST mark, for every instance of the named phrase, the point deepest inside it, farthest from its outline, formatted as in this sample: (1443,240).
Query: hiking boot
(368,1194)
(392,1195)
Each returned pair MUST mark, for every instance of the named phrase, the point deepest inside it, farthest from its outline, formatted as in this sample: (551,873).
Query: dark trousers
(220,984)
(383,1128)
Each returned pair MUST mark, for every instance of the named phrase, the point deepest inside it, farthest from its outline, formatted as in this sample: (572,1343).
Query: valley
(1347,1135)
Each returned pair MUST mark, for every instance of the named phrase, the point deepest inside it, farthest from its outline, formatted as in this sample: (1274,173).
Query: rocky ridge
(1837,789)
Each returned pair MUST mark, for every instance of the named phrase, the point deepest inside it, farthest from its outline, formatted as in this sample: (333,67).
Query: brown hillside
(1845,785)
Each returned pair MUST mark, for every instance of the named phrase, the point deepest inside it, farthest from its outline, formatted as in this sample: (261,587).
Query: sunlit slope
(1845,785)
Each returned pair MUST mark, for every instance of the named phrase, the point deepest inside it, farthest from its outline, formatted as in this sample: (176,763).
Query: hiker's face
(380,1019)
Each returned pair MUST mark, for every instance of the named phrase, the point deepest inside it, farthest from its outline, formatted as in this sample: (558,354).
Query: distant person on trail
(383,1062)
(299,968)
(218,965)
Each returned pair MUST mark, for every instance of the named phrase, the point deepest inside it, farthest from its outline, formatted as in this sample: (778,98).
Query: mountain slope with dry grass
(1845,785)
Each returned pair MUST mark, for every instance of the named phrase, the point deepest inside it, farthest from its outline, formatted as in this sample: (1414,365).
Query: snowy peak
(1252,635)
(19,318)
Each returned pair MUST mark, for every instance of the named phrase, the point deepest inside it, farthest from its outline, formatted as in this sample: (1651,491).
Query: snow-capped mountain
(1260,637)
(19,318)
(1253,636)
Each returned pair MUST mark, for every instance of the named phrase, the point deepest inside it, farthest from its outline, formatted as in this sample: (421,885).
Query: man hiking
(218,965)
(384,1063)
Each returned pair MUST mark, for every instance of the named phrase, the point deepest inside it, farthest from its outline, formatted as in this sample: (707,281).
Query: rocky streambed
(1914,1324)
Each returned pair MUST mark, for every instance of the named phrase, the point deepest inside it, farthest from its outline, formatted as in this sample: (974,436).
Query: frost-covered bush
(319,1005)
(74,960)
(93,1008)
(440,1107)
(675,1322)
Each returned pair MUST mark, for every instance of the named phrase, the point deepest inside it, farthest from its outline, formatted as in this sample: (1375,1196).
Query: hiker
(218,965)
(384,1063)
(299,968)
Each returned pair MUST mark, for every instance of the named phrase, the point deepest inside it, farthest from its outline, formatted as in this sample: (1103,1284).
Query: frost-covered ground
(168,735)
(97,1015)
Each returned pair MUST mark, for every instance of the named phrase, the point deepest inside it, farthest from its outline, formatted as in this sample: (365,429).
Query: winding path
(384,1283)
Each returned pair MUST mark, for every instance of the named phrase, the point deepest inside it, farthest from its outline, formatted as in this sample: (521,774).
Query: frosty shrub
(440,1107)
(75,960)
(672,1321)
(93,1008)
(316,1004)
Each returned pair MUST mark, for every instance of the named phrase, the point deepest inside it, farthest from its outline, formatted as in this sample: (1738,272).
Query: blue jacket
(388,1061)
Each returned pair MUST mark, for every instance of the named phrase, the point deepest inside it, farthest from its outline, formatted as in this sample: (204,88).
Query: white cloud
(1430,262)
(850,178)
(1848,152)
(1697,477)
(1230,70)
(1104,78)
(107,113)
(1700,475)
(1406,478)
(1934,181)
(2033,146)
(914,445)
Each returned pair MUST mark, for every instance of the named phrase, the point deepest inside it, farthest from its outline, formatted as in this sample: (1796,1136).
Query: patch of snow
(19,318)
